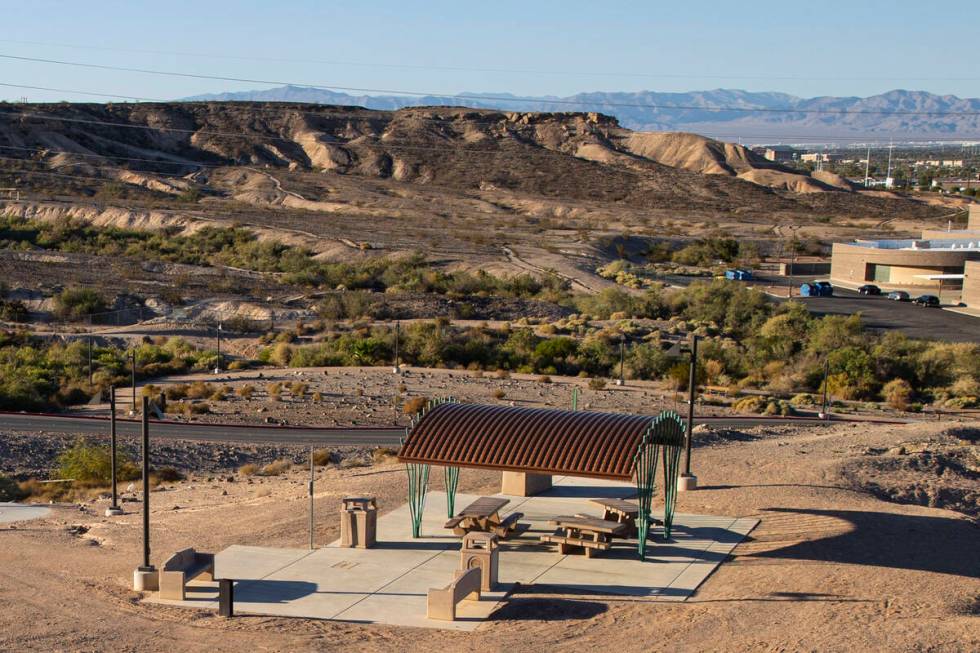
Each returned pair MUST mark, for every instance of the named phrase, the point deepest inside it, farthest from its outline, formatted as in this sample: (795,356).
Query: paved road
(372,436)
(206,432)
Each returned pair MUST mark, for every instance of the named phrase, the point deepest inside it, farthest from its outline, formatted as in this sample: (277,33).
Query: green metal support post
(452,482)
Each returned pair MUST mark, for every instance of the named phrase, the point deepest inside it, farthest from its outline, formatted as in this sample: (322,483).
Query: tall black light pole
(397,335)
(90,360)
(622,358)
(689,481)
(134,381)
(826,373)
(217,364)
(113,508)
(145,577)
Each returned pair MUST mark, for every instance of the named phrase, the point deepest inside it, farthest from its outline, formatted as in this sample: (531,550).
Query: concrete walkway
(388,584)
(12,512)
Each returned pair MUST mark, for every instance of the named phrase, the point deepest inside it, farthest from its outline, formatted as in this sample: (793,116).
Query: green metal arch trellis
(664,436)
(418,474)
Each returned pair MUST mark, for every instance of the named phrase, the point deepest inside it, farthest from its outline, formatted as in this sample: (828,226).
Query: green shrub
(10,490)
(76,303)
(92,463)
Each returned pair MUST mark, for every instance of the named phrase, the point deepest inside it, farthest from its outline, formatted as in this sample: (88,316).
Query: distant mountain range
(712,113)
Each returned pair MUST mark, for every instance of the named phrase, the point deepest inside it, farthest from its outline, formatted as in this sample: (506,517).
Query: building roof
(937,244)
(539,440)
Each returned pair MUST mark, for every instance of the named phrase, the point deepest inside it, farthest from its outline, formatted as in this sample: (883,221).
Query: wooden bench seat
(508,524)
(181,567)
(441,602)
(454,522)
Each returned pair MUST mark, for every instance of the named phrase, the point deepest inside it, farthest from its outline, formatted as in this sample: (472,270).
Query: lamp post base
(687,482)
(146,579)
(113,511)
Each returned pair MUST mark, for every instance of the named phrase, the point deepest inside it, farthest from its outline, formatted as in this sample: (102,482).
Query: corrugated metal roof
(578,443)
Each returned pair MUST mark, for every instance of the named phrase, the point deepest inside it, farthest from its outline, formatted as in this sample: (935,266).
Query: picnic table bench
(625,512)
(484,515)
(589,533)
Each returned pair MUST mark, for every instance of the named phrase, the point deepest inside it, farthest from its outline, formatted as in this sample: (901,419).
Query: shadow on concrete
(416,545)
(272,591)
(589,492)
(944,545)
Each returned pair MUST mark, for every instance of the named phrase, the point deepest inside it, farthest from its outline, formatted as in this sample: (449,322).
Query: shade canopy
(538,440)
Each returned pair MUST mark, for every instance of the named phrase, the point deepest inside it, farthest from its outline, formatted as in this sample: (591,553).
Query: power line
(519,71)
(489,98)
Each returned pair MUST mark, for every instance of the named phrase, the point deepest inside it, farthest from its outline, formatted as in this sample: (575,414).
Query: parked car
(898,296)
(869,289)
(927,300)
(738,274)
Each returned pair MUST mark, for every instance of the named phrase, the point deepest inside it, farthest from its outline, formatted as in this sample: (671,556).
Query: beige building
(971,284)
(928,266)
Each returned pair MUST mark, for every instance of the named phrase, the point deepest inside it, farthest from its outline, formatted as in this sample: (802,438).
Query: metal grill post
(452,481)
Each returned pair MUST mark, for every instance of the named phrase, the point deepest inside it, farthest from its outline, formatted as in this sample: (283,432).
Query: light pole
(145,577)
(134,381)
(113,508)
(90,360)
(622,359)
(826,373)
(217,363)
(689,481)
(397,369)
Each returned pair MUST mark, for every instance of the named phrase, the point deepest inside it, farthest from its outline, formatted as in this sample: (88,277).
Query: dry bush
(322,457)
(414,405)
(382,455)
(274,390)
(250,469)
(199,390)
(503,374)
(544,379)
(317,397)
(348,463)
(276,468)
(298,388)
(897,394)
(499,394)
(218,395)
(175,392)
(477,374)
(246,391)
(597,383)
(166,475)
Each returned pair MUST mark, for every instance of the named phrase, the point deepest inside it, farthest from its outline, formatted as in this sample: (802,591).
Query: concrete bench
(441,603)
(508,525)
(566,543)
(181,567)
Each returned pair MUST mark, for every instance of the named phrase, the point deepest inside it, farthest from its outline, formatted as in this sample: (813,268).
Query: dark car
(898,296)
(927,300)
(869,289)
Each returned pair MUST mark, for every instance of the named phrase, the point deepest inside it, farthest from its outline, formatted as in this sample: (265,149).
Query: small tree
(897,393)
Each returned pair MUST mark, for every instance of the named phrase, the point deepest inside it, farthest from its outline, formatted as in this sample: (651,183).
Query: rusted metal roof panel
(548,441)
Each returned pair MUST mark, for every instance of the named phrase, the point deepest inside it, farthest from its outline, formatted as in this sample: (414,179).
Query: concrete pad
(389,583)
(13,512)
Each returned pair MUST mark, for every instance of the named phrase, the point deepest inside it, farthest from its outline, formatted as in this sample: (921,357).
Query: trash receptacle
(358,522)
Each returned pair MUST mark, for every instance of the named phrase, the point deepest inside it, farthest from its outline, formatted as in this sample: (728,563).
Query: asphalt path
(367,436)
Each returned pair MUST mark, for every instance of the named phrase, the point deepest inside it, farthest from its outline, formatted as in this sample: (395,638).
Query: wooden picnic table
(622,511)
(589,533)
(484,515)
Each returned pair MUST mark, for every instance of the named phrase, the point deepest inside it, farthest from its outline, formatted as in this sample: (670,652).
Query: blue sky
(537,48)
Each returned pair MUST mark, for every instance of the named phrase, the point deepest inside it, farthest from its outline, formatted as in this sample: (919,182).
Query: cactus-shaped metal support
(666,434)
(452,480)
(418,475)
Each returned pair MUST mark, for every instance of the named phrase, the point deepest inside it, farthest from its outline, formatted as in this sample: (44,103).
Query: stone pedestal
(146,580)
(687,482)
(358,522)
(524,484)
(113,512)
(481,551)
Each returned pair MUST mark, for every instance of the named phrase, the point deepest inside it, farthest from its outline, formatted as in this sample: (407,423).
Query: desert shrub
(597,383)
(897,393)
(10,490)
(276,468)
(803,399)
(168,475)
(322,457)
(92,463)
(414,405)
(217,395)
(753,404)
(544,378)
(298,388)
(176,392)
(502,374)
(317,397)
(76,303)
(199,390)
(245,391)
(196,408)
(499,394)
(13,310)
(382,455)
(238,365)
(249,469)
(274,390)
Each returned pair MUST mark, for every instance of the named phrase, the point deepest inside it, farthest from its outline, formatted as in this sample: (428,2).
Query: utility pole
(867,168)
(90,360)
(113,508)
(397,368)
(134,381)
(689,481)
(145,577)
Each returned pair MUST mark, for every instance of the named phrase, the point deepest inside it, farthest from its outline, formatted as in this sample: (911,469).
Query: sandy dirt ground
(830,566)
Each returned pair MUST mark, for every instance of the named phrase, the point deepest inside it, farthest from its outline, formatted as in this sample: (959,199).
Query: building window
(878,272)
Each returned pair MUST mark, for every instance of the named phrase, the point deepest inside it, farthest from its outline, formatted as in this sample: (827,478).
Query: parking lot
(885,314)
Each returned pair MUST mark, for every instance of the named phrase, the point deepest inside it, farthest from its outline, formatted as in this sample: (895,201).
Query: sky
(525,48)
